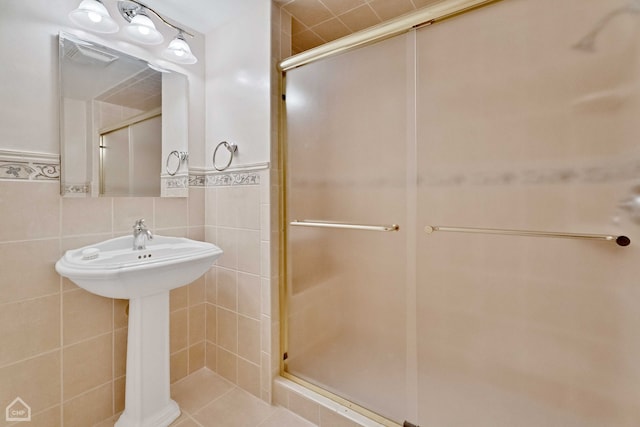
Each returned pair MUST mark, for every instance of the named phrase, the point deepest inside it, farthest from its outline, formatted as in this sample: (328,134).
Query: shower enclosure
(521,115)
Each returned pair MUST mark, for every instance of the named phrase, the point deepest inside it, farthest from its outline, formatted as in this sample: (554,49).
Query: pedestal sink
(114,269)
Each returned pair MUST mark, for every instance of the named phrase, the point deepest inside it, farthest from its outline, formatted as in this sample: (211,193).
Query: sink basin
(113,269)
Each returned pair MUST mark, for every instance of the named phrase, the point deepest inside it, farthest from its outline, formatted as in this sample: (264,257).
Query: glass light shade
(93,16)
(142,30)
(179,51)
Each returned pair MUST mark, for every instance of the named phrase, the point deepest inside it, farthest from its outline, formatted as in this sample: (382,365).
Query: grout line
(211,402)
(189,417)
(248,361)
(20,301)
(188,209)
(32,181)
(180,351)
(40,239)
(113,357)
(206,315)
(98,234)
(85,340)
(113,215)
(61,305)
(153,214)
(84,393)
(188,329)
(375,13)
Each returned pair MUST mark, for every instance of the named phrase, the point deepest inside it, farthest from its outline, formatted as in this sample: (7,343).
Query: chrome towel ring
(181,155)
(233,148)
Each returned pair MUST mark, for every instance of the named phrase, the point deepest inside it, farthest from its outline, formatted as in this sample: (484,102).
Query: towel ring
(181,155)
(233,148)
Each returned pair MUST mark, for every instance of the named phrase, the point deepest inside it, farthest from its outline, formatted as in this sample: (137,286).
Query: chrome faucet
(140,235)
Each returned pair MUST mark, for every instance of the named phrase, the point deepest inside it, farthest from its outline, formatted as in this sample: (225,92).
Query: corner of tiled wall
(242,329)
(237,286)
(187,304)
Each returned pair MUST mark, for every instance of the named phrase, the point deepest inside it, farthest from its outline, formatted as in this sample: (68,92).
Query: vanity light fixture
(179,51)
(93,16)
(141,28)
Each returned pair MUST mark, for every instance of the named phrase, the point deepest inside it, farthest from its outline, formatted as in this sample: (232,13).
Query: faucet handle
(140,225)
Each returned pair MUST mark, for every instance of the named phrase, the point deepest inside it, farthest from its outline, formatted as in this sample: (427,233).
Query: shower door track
(425,16)
(342,401)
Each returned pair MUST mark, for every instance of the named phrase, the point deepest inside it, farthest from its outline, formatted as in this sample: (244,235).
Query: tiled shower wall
(63,349)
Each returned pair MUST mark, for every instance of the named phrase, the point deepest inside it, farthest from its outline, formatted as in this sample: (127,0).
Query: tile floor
(208,400)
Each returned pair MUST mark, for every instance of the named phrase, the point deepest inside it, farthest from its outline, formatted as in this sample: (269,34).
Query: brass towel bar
(619,240)
(344,225)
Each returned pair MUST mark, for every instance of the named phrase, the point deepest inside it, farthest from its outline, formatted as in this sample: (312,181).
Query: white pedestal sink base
(160,419)
(113,269)
(148,396)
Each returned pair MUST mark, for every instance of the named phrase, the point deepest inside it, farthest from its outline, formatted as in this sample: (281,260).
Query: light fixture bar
(128,12)
(94,16)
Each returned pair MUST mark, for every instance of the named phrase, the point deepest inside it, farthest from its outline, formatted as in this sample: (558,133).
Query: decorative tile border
(29,171)
(176,182)
(247,178)
(174,185)
(77,189)
(550,176)
(27,166)
(224,180)
(196,180)
(247,175)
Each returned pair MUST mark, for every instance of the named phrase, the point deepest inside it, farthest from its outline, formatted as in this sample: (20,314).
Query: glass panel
(347,131)
(114,163)
(130,162)
(528,119)
(146,150)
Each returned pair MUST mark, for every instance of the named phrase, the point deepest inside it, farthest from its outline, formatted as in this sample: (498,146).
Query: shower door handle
(344,225)
(619,240)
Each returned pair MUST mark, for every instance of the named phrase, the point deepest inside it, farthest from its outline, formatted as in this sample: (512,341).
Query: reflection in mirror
(115,132)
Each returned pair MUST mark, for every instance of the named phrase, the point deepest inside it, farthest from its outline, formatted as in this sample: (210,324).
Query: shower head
(588,42)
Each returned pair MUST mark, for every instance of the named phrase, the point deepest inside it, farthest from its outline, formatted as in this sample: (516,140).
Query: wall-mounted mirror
(120,119)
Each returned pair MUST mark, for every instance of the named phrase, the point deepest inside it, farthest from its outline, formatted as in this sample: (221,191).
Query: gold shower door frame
(518,125)
(426,16)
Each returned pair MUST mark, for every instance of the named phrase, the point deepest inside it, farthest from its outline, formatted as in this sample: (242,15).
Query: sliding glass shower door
(347,131)
(528,119)
(519,116)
